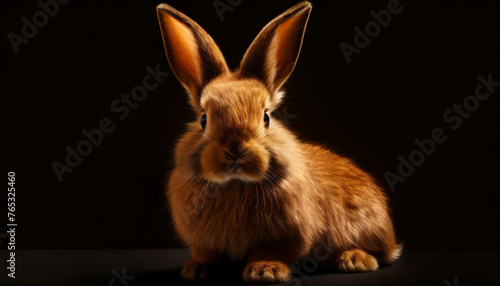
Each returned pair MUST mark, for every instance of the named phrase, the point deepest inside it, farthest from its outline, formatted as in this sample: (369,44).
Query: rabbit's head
(234,107)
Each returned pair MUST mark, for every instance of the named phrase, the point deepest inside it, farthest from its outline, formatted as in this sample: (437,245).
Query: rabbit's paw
(195,270)
(356,260)
(266,271)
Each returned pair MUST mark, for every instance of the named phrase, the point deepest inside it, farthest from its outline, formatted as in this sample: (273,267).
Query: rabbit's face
(235,121)
(234,106)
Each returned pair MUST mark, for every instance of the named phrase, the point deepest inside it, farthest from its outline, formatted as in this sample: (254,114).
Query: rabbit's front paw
(266,271)
(195,270)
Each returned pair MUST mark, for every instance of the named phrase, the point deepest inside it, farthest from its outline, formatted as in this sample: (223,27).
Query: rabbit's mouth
(238,176)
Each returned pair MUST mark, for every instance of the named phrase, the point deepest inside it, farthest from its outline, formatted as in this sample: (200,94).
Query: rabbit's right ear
(193,55)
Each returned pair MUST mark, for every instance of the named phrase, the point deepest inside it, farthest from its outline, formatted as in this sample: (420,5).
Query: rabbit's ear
(193,55)
(272,55)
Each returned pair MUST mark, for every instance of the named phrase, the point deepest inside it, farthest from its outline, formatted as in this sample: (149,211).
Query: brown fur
(281,198)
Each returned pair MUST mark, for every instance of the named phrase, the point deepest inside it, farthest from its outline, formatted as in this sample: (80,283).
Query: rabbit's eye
(203,121)
(266,119)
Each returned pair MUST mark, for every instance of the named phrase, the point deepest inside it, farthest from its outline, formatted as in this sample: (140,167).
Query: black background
(395,91)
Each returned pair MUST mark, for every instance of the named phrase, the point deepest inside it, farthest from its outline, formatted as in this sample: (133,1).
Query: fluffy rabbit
(244,187)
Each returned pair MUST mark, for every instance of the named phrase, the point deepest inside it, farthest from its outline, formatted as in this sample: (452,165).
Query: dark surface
(162,267)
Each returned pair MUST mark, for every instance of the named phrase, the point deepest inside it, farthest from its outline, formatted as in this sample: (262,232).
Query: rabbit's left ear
(272,55)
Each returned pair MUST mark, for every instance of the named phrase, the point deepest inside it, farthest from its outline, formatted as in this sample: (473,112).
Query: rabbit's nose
(235,155)
(233,160)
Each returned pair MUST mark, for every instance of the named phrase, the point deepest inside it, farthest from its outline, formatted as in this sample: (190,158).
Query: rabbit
(244,187)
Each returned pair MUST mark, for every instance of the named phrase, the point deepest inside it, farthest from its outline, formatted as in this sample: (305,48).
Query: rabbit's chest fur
(234,218)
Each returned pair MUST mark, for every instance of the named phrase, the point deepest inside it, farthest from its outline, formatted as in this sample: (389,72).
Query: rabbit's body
(298,209)
(244,186)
